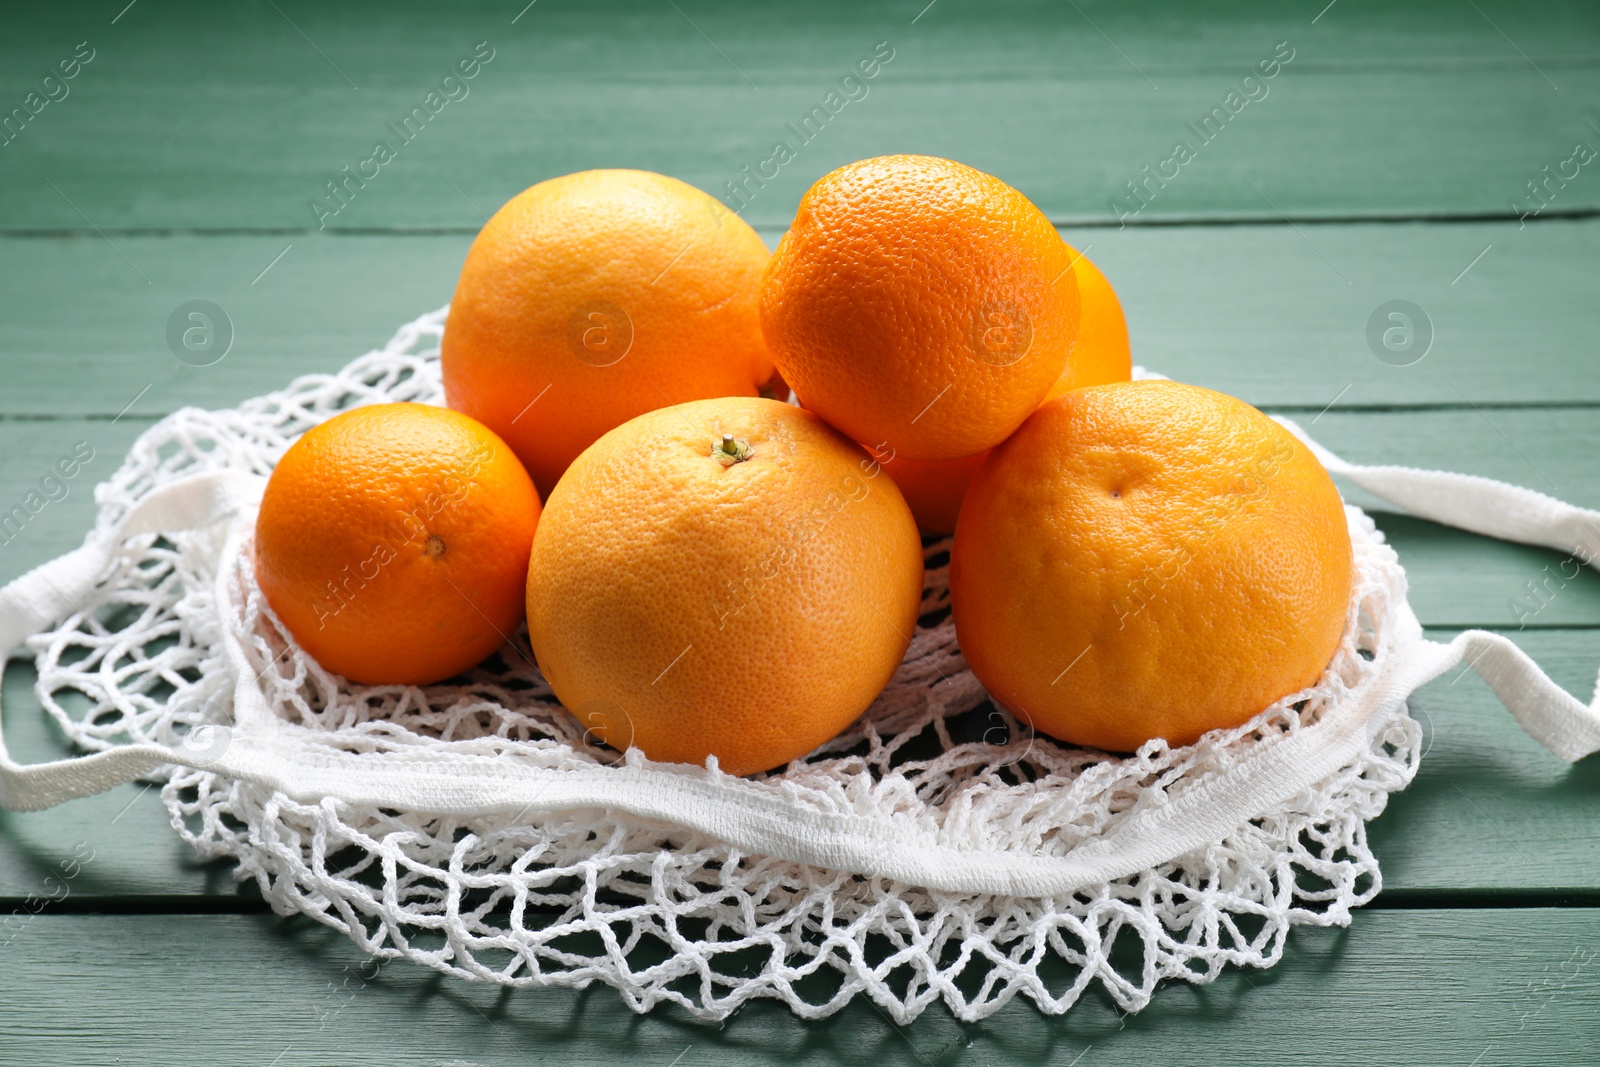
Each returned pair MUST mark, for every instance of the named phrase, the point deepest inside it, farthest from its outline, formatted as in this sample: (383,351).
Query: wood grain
(138,856)
(1251,310)
(1490,810)
(1389,160)
(264,103)
(1423,988)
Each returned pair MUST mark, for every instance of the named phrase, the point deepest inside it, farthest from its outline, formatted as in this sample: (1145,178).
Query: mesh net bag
(935,851)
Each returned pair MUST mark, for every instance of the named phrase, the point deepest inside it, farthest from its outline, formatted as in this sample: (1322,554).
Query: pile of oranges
(735,453)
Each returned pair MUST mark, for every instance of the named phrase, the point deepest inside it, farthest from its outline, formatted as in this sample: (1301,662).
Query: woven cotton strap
(54,590)
(1511,513)
(755,817)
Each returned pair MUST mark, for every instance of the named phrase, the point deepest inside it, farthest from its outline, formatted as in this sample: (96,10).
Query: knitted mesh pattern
(668,915)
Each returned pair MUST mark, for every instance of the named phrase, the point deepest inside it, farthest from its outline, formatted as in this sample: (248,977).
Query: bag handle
(54,590)
(1554,717)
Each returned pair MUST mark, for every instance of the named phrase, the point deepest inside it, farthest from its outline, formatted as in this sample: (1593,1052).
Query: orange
(1148,559)
(1101,354)
(934,488)
(393,543)
(598,296)
(728,578)
(920,303)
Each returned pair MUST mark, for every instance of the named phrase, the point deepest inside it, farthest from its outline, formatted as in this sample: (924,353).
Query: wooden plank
(1460,579)
(77,990)
(29,453)
(320,305)
(1490,809)
(1541,448)
(1280,316)
(1066,104)
(1252,310)
(126,830)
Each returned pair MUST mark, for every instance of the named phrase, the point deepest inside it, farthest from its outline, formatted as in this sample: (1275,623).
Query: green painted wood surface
(1252,310)
(181,165)
(265,102)
(1421,988)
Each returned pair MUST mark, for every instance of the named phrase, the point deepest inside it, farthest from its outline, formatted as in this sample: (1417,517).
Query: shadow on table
(1491,812)
(570,1025)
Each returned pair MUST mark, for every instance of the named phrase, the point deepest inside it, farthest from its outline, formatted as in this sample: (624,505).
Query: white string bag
(932,852)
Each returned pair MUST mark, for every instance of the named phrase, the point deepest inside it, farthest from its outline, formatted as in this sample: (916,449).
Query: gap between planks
(1075,222)
(1388,900)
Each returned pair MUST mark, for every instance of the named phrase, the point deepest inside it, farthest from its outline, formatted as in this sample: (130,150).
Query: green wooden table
(1426,152)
